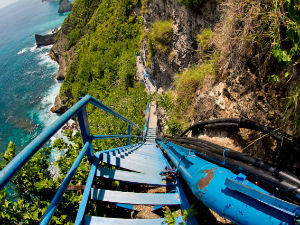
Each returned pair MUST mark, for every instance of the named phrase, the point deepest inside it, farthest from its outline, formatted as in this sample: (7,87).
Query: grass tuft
(160,36)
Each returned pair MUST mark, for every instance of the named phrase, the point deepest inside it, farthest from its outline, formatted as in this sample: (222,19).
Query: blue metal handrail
(63,187)
(79,110)
(39,141)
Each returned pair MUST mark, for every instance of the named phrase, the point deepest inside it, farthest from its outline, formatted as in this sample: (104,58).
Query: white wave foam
(45,115)
(22,51)
(45,60)
(33,48)
(48,47)
(30,72)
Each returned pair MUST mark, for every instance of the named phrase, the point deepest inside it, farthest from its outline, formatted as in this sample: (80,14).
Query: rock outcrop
(48,39)
(59,106)
(64,6)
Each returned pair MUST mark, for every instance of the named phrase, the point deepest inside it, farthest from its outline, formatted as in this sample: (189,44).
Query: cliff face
(229,33)
(62,55)
(241,85)
(186,25)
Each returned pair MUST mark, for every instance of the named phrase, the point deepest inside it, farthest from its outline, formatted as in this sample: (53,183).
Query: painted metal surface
(86,193)
(130,177)
(273,202)
(143,167)
(98,137)
(85,131)
(63,187)
(208,183)
(135,198)
(151,172)
(128,133)
(90,220)
(135,156)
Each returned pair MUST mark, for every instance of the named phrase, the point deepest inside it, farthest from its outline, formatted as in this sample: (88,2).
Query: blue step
(135,198)
(132,165)
(140,159)
(130,177)
(94,220)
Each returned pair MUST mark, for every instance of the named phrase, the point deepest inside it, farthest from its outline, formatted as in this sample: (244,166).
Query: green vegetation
(284,32)
(178,103)
(160,37)
(75,25)
(204,40)
(167,101)
(191,4)
(292,104)
(290,19)
(34,187)
(259,39)
(104,65)
(144,9)
(187,82)
(170,217)
(73,37)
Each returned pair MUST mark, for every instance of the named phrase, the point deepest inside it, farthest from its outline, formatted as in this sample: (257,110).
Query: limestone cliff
(62,55)
(241,85)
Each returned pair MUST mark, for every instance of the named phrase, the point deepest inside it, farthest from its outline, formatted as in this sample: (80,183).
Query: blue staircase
(139,164)
(147,162)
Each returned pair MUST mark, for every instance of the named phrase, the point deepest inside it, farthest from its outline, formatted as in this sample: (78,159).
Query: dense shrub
(160,36)
(105,65)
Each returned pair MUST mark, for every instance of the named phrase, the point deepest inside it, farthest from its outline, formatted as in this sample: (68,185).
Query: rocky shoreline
(64,57)
(60,54)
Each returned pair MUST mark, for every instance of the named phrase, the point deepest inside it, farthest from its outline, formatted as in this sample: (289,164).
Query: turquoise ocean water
(27,74)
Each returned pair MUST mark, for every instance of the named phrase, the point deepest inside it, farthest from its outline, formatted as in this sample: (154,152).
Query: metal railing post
(85,132)
(129,131)
(137,138)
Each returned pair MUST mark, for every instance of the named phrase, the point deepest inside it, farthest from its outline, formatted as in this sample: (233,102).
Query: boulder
(64,6)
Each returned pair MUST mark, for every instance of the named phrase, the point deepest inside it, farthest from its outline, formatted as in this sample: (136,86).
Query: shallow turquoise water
(27,75)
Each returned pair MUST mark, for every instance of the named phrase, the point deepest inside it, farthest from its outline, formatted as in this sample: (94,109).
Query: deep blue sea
(27,74)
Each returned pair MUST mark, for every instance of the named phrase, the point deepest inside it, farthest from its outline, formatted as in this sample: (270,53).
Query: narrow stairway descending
(139,183)
(142,164)
(139,164)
